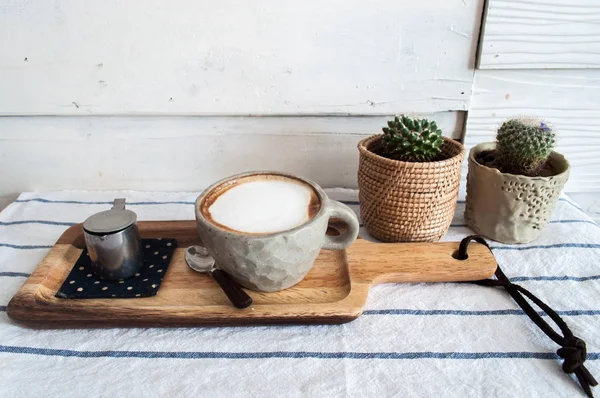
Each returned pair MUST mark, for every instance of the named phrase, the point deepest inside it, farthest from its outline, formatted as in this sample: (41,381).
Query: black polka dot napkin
(82,283)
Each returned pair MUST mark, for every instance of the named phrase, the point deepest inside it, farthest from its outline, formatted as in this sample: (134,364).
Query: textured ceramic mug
(274,261)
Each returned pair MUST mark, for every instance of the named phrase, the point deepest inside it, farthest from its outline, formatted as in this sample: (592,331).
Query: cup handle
(339,210)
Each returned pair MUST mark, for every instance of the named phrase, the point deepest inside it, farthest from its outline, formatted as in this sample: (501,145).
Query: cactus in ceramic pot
(514,183)
(523,146)
(411,140)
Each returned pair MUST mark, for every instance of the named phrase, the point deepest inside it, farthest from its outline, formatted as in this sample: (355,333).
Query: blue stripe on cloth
(555,278)
(572,204)
(42,200)
(559,199)
(458,312)
(25,247)
(554,246)
(574,221)
(7,273)
(68,224)
(283,354)
(79,202)
(551,222)
(356,203)
(473,313)
(513,279)
(82,202)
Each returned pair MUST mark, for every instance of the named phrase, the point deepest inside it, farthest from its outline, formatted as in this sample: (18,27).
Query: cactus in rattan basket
(523,146)
(411,140)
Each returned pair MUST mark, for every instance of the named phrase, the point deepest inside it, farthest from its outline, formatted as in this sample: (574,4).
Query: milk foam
(262,206)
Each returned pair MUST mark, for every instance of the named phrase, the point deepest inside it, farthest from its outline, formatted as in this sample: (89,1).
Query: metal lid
(110,221)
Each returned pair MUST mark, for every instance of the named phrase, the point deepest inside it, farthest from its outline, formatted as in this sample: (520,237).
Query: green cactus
(523,145)
(411,140)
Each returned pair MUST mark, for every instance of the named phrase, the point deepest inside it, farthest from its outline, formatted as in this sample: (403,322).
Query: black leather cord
(573,349)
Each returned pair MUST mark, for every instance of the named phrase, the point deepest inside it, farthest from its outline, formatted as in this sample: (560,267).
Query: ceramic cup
(273,261)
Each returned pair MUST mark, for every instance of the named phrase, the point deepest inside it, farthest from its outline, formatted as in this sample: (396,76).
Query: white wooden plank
(541,34)
(569,100)
(181,153)
(262,57)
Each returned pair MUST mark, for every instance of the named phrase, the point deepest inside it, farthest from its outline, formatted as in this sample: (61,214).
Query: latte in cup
(262,204)
(265,229)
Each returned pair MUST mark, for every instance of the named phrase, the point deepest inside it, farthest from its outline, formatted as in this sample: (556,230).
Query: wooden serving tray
(334,291)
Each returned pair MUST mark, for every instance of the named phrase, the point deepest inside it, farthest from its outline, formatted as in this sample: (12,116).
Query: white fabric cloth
(413,339)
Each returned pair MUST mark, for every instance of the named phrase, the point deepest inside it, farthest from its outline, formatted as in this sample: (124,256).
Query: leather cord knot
(573,349)
(573,352)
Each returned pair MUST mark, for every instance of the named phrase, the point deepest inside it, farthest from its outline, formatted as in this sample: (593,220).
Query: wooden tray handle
(417,262)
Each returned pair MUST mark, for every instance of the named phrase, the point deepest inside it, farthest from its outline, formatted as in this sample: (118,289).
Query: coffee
(261,204)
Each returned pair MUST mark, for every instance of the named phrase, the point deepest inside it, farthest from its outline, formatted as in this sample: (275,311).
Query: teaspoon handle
(234,292)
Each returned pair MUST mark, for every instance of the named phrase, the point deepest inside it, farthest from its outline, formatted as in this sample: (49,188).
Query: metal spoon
(198,259)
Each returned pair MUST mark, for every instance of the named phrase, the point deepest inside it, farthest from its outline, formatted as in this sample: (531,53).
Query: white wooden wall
(226,57)
(541,34)
(181,153)
(171,95)
(542,58)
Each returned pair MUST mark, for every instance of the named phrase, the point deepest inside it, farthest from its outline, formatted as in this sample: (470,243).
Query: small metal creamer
(113,242)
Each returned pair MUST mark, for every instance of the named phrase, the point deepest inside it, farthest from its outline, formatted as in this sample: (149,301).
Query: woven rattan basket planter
(405,201)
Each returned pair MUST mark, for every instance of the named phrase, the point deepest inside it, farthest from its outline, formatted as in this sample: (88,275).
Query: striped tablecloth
(413,339)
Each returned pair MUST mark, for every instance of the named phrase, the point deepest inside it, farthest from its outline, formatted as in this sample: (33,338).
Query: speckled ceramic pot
(511,208)
(274,261)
